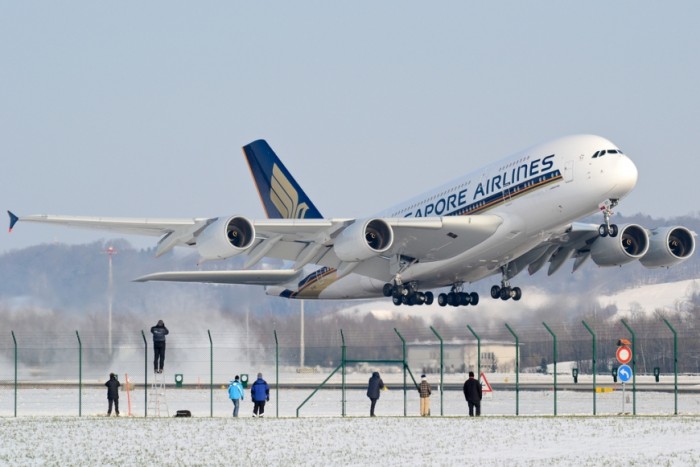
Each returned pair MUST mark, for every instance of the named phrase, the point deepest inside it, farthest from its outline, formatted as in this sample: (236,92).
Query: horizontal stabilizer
(254,277)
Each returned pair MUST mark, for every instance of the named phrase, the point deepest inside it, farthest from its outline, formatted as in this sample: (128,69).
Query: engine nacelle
(225,237)
(363,240)
(668,246)
(631,242)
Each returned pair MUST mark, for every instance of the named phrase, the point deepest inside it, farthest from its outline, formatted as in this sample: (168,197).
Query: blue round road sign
(624,372)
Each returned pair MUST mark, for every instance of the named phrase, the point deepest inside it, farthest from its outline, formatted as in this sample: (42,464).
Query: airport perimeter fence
(551,371)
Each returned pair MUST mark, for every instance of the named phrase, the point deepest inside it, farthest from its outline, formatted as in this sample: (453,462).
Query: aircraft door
(568,171)
(507,194)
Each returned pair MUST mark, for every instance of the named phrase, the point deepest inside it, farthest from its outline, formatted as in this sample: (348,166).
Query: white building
(461,356)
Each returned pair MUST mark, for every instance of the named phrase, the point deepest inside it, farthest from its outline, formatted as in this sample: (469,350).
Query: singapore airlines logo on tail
(285,197)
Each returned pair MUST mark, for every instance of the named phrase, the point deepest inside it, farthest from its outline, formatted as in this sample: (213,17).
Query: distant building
(461,356)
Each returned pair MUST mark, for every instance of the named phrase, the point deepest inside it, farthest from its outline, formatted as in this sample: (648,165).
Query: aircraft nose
(626,175)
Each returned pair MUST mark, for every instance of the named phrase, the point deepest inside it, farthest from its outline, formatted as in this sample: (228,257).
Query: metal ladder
(157,402)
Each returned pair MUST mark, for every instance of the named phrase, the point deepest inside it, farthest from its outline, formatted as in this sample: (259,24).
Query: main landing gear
(505,291)
(458,298)
(606,228)
(406,294)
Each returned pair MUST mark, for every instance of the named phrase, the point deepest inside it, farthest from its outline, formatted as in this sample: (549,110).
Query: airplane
(518,213)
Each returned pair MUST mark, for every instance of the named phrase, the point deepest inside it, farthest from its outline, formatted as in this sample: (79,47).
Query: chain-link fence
(65,373)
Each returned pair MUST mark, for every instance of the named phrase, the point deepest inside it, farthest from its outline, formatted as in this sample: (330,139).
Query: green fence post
(80,376)
(342,364)
(442,366)
(15,341)
(517,370)
(277,376)
(478,353)
(403,346)
(145,375)
(594,364)
(211,376)
(634,368)
(675,366)
(555,366)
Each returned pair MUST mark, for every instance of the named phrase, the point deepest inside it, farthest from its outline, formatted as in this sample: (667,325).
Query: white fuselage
(537,193)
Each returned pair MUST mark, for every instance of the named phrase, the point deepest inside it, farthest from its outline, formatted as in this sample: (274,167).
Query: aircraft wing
(423,239)
(173,232)
(303,241)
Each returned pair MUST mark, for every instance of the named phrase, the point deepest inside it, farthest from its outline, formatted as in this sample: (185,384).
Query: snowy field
(490,440)
(48,430)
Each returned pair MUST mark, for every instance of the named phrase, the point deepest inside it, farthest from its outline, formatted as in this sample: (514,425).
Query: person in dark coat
(373,387)
(472,393)
(113,394)
(159,332)
(259,394)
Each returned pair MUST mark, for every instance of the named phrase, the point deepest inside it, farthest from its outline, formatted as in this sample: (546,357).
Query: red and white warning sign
(485,386)
(624,354)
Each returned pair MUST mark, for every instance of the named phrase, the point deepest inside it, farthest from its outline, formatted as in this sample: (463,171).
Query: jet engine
(225,237)
(668,246)
(631,242)
(363,240)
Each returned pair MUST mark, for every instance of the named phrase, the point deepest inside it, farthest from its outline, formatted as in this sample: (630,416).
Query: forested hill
(74,278)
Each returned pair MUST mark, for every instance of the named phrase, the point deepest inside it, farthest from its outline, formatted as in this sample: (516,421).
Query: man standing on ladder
(159,332)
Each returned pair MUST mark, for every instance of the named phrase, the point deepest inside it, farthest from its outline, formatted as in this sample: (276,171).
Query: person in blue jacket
(259,394)
(235,393)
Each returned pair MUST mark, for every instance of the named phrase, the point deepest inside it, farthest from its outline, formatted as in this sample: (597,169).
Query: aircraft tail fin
(281,195)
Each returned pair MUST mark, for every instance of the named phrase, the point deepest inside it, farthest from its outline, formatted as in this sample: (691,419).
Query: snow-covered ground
(351,441)
(49,431)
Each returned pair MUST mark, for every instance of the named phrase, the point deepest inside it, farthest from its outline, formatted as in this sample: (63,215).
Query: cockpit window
(606,151)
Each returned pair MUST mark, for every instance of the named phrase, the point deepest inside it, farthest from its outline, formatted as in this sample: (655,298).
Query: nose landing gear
(606,228)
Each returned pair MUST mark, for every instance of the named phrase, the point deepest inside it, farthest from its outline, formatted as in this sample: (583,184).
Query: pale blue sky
(140,108)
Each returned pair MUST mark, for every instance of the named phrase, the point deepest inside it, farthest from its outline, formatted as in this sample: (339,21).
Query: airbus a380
(515,214)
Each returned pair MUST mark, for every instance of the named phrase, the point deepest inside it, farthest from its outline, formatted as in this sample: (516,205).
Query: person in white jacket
(236,394)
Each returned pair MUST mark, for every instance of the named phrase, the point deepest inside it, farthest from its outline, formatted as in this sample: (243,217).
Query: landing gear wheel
(505,293)
(474,298)
(613,230)
(442,299)
(429,298)
(517,293)
(464,299)
(603,230)
(388,290)
(495,291)
(396,299)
